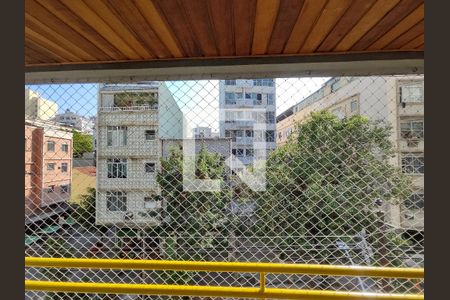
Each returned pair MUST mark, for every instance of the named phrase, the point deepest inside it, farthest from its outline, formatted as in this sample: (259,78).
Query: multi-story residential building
(247,116)
(38,108)
(202,132)
(131,120)
(395,100)
(48,166)
(77,122)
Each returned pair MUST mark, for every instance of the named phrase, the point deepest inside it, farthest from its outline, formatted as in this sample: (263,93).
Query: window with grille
(413,163)
(64,167)
(413,129)
(117,168)
(51,166)
(116,201)
(415,201)
(117,136)
(150,167)
(411,93)
(150,135)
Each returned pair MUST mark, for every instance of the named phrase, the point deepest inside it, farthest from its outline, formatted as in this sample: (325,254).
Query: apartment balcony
(128,108)
(127,116)
(244,140)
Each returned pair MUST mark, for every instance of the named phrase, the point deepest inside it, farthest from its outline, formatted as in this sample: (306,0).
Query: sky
(197,99)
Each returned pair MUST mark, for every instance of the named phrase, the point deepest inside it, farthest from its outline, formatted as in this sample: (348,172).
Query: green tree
(326,180)
(81,143)
(84,213)
(197,217)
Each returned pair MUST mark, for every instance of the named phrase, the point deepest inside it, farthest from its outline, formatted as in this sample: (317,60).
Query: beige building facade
(38,108)
(394,100)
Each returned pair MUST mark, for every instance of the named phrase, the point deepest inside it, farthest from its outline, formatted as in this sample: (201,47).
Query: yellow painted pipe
(307,269)
(208,291)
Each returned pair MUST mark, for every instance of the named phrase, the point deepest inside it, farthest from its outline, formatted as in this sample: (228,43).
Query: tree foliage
(326,179)
(81,143)
(197,217)
(84,214)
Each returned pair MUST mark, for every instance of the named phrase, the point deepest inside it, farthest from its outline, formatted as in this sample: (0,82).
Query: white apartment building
(131,120)
(395,100)
(77,122)
(38,108)
(247,116)
(202,132)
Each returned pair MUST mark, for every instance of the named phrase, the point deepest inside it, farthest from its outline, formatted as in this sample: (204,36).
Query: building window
(411,129)
(354,106)
(230,98)
(410,93)
(116,201)
(270,117)
(249,133)
(51,167)
(65,148)
(65,189)
(230,82)
(270,99)
(249,152)
(117,168)
(413,164)
(64,167)
(263,82)
(150,167)
(150,135)
(239,152)
(50,189)
(415,201)
(51,146)
(117,136)
(270,136)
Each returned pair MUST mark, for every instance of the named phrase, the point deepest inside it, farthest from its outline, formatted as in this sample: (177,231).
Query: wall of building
(170,115)
(56,177)
(39,108)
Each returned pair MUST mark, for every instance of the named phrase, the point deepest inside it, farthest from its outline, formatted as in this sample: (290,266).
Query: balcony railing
(128,108)
(218,291)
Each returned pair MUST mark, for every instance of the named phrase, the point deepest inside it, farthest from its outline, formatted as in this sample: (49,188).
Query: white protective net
(292,170)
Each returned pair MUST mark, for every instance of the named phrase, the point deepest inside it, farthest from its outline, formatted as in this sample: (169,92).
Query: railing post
(262,282)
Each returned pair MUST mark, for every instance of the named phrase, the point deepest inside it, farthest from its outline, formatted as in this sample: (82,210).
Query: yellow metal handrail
(217,291)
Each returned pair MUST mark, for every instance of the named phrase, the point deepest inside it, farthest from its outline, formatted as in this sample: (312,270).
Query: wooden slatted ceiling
(99,31)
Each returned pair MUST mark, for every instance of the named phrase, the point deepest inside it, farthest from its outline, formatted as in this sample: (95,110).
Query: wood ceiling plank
(176,17)
(414,43)
(420,47)
(159,26)
(369,20)
(266,14)
(44,52)
(76,23)
(222,22)
(60,28)
(330,15)
(309,15)
(288,13)
(37,57)
(50,45)
(350,18)
(398,14)
(406,37)
(94,20)
(243,20)
(400,28)
(44,30)
(131,17)
(113,20)
(198,15)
